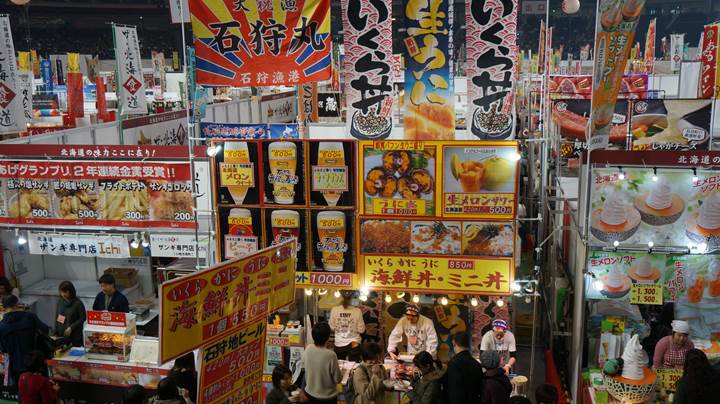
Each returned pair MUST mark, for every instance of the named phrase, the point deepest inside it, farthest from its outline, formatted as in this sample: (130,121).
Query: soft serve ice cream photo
(615,220)
(617,284)
(703,225)
(660,205)
(644,270)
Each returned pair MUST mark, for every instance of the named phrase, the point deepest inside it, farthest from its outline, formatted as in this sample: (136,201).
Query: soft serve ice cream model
(643,270)
(617,284)
(615,220)
(659,206)
(704,224)
(636,382)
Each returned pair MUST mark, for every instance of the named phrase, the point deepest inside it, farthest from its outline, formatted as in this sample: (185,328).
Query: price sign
(404,207)
(646,293)
(237,174)
(668,378)
(329,178)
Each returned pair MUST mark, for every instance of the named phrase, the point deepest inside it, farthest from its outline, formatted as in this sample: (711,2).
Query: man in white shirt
(419,330)
(347,323)
(501,340)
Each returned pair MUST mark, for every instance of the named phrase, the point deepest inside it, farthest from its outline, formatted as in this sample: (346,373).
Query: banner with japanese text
(491,54)
(25,76)
(617,22)
(437,216)
(367,32)
(133,194)
(204,307)
(677,42)
(231,368)
(248,131)
(429,96)
(131,85)
(12,117)
(709,61)
(261,43)
(78,245)
(541,49)
(308,100)
(650,47)
(633,86)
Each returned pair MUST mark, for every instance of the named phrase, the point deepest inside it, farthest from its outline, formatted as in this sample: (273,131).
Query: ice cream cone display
(616,284)
(644,271)
(331,154)
(637,382)
(660,206)
(703,226)
(615,221)
(236,153)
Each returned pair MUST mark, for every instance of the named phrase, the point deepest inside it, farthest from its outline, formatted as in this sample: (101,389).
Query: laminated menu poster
(632,86)
(571,118)
(95,193)
(671,124)
(667,207)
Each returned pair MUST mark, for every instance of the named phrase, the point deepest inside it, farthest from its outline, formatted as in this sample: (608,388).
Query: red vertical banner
(650,47)
(76,102)
(708,57)
(100,97)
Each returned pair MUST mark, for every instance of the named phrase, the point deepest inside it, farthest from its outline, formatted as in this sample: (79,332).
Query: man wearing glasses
(418,329)
(501,340)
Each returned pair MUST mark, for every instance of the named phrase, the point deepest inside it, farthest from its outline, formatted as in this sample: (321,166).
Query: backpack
(349,389)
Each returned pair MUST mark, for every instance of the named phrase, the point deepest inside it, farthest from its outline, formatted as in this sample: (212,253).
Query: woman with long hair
(699,383)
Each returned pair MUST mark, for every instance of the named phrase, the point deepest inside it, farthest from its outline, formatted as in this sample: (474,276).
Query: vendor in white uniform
(500,339)
(419,331)
(347,323)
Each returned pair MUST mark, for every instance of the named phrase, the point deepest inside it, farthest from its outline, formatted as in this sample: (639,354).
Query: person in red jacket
(33,387)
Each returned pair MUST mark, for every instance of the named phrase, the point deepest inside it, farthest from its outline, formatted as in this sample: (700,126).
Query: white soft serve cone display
(634,360)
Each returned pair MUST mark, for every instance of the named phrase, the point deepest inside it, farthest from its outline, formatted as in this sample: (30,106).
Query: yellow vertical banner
(24,64)
(73,63)
(35,63)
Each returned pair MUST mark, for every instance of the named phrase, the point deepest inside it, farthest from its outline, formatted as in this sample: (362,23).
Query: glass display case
(109,336)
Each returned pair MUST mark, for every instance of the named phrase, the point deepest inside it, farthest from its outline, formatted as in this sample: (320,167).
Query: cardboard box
(124,277)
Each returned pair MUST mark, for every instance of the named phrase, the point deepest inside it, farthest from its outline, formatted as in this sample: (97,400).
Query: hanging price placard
(668,378)
(646,293)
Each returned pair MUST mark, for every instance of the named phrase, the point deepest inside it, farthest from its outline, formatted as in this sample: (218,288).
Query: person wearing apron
(670,351)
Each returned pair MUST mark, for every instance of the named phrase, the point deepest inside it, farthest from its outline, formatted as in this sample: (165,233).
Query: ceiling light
(444,300)
(388,298)
(500,302)
(21,240)
(474,302)
(515,287)
(363,298)
(337,294)
(308,292)
(416,299)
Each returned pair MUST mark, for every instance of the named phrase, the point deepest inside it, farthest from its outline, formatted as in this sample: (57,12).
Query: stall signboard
(12,117)
(131,84)
(429,95)
(204,307)
(671,124)
(245,131)
(308,100)
(165,129)
(78,245)
(261,43)
(25,83)
(178,245)
(231,368)
(571,117)
(633,86)
(491,54)
(367,32)
(279,108)
(436,216)
(131,194)
(709,60)
(329,105)
(270,191)
(614,39)
(650,47)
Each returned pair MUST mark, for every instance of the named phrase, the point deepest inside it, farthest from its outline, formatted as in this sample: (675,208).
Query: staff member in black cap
(110,299)
(419,330)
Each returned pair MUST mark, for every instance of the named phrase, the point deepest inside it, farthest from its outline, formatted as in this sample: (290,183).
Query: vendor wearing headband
(501,340)
(418,329)
(670,351)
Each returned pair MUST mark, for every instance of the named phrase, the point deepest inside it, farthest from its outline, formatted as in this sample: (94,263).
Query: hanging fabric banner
(708,57)
(261,43)
(35,63)
(650,47)
(616,35)
(131,87)
(46,72)
(308,111)
(76,102)
(100,100)
(25,77)
(429,95)
(491,54)
(677,42)
(367,31)
(12,118)
(541,49)
(179,11)
(176,61)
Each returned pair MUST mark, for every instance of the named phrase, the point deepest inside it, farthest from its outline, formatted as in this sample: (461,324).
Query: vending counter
(81,369)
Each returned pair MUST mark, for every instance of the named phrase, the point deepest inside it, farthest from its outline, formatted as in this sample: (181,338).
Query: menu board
(671,124)
(437,216)
(269,191)
(130,194)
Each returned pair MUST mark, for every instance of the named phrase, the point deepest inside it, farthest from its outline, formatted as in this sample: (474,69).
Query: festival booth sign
(12,116)
(617,22)
(249,131)
(671,124)
(709,60)
(95,186)
(269,191)
(491,70)
(165,129)
(131,84)
(429,112)
(633,86)
(240,43)
(571,117)
(205,307)
(437,216)
(367,32)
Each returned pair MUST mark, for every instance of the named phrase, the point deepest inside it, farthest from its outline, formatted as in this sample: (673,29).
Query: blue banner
(46,72)
(248,131)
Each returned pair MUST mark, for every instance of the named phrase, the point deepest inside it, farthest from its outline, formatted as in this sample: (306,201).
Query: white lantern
(570,6)
(20,2)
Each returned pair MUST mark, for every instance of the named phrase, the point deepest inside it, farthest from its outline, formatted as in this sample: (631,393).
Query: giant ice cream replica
(637,382)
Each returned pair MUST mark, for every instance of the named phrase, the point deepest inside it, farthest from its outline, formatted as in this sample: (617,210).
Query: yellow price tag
(237,174)
(646,293)
(415,207)
(668,378)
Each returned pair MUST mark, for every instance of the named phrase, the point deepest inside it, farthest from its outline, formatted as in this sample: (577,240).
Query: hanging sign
(131,86)
(328,105)
(179,11)
(677,42)
(25,75)
(76,106)
(709,58)
(367,31)
(492,51)
(12,117)
(78,245)
(650,47)
(429,95)
(178,245)
(261,43)
(308,103)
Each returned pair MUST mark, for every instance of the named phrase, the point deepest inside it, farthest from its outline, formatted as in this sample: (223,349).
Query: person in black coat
(496,385)
(18,331)
(465,374)
(110,299)
(282,387)
(69,314)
